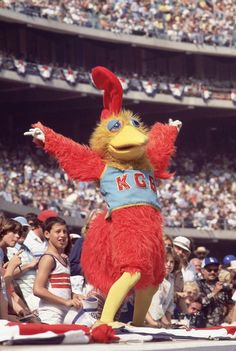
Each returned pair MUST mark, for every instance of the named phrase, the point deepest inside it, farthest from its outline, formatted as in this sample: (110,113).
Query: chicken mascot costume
(123,251)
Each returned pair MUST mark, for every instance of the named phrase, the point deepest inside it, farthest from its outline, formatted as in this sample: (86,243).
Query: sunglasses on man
(215,270)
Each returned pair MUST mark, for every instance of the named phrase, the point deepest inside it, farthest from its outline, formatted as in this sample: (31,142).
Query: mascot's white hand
(36,133)
(176,123)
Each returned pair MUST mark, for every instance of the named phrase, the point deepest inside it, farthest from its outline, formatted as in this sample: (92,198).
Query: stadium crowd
(208,22)
(198,289)
(41,279)
(201,194)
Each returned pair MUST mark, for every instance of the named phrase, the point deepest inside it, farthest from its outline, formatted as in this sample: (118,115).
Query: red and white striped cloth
(26,333)
(29,333)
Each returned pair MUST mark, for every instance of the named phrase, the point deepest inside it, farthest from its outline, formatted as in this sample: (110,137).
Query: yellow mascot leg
(143,299)
(116,296)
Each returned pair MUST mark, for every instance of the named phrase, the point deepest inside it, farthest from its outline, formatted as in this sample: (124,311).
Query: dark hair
(9,225)
(36,223)
(31,217)
(49,223)
(168,237)
(198,300)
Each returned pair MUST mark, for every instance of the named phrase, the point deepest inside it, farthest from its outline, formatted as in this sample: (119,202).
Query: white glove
(176,123)
(36,133)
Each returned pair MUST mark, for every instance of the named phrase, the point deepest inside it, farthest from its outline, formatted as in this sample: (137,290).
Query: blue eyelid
(114,125)
(135,122)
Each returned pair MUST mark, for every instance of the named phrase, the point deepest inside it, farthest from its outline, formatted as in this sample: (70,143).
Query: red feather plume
(105,80)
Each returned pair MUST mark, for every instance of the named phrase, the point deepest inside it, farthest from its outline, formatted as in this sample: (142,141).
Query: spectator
(10,232)
(162,305)
(224,273)
(5,281)
(30,217)
(55,293)
(35,240)
(168,241)
(201,252)
(195,314)
(6,292)
(24,275)
(191,292)
(197,263)
(182,247)
(215,298)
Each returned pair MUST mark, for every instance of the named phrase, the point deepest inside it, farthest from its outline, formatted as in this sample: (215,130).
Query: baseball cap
(228,258)
(182,242)
(22,221)
(210,260)
(45,214)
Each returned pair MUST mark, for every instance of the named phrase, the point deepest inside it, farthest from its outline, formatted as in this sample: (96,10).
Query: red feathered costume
(131,239)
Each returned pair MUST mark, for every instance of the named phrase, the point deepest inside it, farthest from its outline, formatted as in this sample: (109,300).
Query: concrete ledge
(81,88)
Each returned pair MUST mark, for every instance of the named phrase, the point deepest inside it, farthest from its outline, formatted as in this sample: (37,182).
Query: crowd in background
(210,22)
(42,279)
(200,195)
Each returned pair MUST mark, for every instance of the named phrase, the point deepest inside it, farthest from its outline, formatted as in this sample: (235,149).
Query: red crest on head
(105,80)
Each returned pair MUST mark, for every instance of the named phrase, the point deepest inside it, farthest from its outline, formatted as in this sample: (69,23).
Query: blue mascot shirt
(124,188)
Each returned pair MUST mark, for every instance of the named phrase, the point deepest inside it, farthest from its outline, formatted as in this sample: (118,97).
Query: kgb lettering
(140,180)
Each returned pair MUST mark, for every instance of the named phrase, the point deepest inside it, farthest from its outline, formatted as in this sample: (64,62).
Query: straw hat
(182,242)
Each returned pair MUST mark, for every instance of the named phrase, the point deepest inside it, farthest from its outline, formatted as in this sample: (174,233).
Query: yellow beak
(128,144)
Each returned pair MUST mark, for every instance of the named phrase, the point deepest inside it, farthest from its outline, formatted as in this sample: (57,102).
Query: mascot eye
(114,125)
(135,122)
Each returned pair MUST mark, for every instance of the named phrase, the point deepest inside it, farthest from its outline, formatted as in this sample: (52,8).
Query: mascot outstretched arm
(123,250)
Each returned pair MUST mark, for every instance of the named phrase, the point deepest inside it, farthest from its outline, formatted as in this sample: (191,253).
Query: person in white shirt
(52,284)
(10,232)
(35,240)
(24,275)
(162,305)
(182,247)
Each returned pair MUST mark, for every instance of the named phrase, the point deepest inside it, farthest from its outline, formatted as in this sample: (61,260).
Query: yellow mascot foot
(114,324)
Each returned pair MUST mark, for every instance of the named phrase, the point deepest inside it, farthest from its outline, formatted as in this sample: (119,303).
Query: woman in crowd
(162,305)
(10,232)
(5,285)
(191,292)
